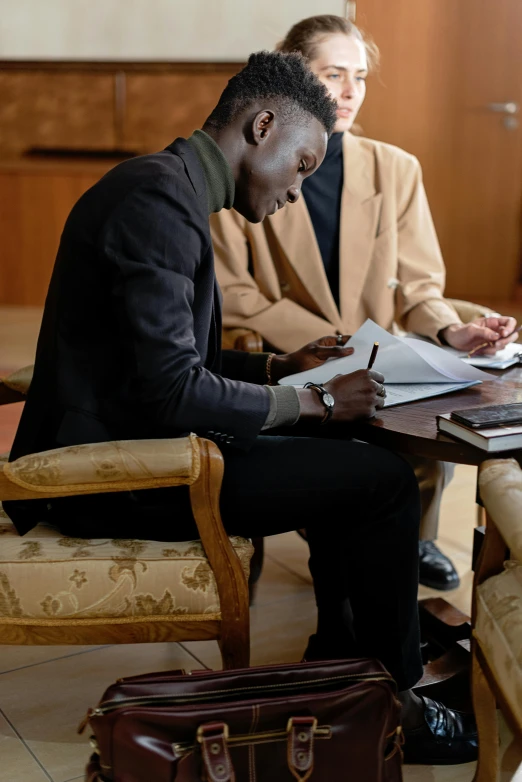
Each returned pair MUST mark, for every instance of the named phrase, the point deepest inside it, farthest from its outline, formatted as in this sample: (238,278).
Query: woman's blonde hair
(307,34)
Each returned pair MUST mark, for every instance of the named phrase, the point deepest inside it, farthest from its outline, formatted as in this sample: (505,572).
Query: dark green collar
(218,175)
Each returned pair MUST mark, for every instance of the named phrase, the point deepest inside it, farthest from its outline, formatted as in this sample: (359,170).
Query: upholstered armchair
(497,612)
(61,590)
(242,339)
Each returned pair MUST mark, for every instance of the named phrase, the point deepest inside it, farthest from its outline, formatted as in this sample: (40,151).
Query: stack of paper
(413,369)
(507,357)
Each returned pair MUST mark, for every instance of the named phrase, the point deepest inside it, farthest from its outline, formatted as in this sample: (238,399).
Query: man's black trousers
(360,507)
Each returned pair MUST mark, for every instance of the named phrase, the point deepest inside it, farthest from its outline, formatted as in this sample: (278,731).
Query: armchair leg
(235,651)
(230,578)
(485,708)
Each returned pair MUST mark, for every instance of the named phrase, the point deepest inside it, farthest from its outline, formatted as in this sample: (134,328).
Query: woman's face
(340,63)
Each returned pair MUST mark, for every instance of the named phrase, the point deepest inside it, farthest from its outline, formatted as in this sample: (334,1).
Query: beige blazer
(391,268)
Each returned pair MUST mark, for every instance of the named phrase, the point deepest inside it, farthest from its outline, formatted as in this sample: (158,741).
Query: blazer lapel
(360,212)
(292,227)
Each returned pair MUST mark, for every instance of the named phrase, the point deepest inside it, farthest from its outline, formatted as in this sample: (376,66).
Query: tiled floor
(45,691)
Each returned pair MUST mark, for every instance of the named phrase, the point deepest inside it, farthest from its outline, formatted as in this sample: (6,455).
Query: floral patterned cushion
(500,484)
(498,630)
(46,576)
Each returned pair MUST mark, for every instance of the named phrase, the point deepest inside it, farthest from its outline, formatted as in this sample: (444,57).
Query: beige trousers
(432,478)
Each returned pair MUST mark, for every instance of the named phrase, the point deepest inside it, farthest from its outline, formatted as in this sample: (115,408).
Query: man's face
(276,165)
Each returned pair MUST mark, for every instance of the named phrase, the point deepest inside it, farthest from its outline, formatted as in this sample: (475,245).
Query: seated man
(130,348)
(360,244)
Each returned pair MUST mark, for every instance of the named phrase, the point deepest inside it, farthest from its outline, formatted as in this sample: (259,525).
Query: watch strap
(321,390)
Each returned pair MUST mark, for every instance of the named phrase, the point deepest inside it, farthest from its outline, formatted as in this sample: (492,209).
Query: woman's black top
(322,192)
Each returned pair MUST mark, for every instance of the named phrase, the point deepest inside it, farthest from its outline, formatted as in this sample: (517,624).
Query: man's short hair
(285,77)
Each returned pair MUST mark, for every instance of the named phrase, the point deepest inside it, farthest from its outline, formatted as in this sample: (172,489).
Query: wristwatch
(326,398)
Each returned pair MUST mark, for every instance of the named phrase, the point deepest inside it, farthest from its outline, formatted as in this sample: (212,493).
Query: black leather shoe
(435,569)
(447,738)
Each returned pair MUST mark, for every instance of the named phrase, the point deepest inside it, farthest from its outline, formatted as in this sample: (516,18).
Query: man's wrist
(254,369)
(326,398)
(277,368)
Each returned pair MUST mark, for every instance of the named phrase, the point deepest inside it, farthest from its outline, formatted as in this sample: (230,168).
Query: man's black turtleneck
(322,193)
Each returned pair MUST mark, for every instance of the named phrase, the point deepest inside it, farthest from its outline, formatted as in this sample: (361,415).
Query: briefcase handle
(213,738)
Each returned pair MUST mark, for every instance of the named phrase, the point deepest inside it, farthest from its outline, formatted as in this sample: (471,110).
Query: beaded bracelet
(268,368)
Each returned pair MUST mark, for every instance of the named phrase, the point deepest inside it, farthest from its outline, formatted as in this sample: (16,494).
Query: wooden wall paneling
(75,110)
(53,109)
(9,233)
(487,156)
(442,63)
(78,106)
(34,205)
(407,102)
(162,106)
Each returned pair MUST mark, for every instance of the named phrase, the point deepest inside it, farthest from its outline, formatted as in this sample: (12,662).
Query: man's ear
(262,126)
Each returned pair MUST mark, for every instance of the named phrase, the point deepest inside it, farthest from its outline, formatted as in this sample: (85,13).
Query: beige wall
(214,30)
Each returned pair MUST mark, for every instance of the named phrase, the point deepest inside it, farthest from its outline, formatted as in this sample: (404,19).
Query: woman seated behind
(359,244)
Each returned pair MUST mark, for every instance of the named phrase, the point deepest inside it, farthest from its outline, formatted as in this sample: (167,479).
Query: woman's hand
(312,355)
(496,330)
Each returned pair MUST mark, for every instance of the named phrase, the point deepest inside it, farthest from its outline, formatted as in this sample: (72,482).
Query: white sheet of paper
(401,393)
(507,357)
(400,359)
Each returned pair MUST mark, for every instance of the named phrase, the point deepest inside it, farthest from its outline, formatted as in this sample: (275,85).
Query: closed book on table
(493,440)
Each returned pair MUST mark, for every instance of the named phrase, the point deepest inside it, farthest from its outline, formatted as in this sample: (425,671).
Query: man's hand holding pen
(359,394)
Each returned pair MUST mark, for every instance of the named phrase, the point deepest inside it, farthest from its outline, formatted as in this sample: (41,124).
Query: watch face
(328,400)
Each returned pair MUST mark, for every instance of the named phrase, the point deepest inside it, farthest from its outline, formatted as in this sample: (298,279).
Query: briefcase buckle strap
(300,747)
(217,762)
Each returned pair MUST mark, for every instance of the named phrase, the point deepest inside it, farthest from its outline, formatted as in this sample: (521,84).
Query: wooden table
(412,428)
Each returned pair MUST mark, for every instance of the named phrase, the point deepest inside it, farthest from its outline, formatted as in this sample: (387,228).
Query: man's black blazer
(130,344)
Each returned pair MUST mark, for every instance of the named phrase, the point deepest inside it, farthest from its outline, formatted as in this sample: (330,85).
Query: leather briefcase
(333,721)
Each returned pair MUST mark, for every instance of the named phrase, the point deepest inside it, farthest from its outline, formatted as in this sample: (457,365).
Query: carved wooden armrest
(14,387)
(123,465)
(127,465)
(467,311)
(242,339)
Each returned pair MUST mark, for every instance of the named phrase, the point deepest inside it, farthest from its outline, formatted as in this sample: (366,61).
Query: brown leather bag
(329,722)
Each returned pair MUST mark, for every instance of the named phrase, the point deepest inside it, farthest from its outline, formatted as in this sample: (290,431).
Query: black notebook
(490,416)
